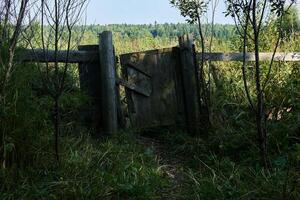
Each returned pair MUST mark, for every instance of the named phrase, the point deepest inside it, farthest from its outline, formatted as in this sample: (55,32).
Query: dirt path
(169,163)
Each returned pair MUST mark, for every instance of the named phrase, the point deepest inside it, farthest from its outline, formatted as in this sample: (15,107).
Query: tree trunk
(56,127)
(204,93)
(260,122)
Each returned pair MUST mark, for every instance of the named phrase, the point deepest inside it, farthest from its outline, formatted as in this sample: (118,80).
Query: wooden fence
(37,55)
(160,85)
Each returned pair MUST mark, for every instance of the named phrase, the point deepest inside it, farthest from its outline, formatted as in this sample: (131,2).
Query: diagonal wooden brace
(133,87)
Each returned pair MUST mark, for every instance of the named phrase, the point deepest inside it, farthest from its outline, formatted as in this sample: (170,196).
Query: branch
(244,59)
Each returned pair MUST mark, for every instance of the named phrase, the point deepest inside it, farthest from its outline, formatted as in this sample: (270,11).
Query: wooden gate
(167,93)
(156,74)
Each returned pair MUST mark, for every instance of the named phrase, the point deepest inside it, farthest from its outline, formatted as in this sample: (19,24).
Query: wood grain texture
(155,71)
(287,57)
(89,74)
(39,55)
(133,87)
(108,83)
(190,92)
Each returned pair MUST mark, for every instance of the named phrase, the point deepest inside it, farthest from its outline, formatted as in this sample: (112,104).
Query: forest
(248,145)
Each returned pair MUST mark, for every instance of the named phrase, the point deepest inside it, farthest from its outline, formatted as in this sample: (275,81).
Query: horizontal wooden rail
(39,55)
(288,57)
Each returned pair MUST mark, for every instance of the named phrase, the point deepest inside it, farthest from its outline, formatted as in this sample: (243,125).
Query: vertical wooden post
(108,83)
(188,69)
(89,73)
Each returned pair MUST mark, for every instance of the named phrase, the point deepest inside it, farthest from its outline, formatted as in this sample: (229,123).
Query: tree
(58,22)
(250,18)
(12,16)
(291,21)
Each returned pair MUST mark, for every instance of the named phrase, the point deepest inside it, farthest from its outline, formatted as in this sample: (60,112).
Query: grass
(214,171)
(222,163)
(115,168)
(120,167)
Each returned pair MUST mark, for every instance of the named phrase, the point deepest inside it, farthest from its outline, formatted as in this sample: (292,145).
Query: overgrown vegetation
(114,168)
(221,163)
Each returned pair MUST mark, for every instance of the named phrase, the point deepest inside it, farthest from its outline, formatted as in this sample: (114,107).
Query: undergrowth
(212,173)
(223,163)
(220,163)
(114,168)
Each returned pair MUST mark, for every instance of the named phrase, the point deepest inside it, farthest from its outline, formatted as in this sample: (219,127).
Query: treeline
(132,38)
(167,30)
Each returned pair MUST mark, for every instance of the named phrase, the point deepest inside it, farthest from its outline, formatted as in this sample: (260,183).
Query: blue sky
(139,12)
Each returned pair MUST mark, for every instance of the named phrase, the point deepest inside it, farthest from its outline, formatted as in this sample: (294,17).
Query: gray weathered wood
(108,83)
(190,91)
(89,74)
(156,72)
(38,55)
(287,57)
(132,65)
(134,87)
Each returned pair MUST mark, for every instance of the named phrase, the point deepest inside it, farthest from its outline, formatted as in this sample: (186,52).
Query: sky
(139,12)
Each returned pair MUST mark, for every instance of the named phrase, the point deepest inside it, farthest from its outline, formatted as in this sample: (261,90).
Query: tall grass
(114,168)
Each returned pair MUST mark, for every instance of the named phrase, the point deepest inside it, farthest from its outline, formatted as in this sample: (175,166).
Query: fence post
(89,73)
(108,83)
(190,92)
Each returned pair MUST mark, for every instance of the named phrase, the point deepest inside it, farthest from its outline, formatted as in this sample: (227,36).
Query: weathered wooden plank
(134,87)
(131,65)
(89,74)
(189,82)
(154,51)
(39,55)
(108,83)
(153,71)
(287,57)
